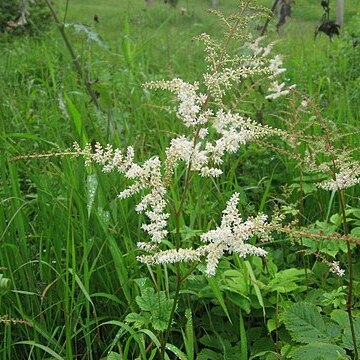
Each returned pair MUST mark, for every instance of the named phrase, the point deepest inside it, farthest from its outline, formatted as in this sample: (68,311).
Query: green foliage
(319,351)
(305,323)
(287,281)
(20,16)
(155,310)
(4,285)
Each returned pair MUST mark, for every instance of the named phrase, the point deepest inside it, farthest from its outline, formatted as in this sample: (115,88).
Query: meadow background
(68,269)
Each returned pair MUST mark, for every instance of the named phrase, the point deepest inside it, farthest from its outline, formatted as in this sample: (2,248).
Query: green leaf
(176,351)
(207,354)
(157,305)
(4,284)
(147,300)
(341,317)
(319,351)
(255,284)
(347,337)
(114,356)
(77,120)
(305,324)
(91,184)
(188,335)
(355,232)
(42,347)
(138,320)
(218,294)
(286,281)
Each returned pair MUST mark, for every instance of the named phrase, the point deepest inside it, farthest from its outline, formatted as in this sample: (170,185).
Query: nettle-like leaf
(157,305)
(319,351)
(305,324)
(138,320)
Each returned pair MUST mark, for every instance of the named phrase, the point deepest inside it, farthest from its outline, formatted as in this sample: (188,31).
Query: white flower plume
(230,237)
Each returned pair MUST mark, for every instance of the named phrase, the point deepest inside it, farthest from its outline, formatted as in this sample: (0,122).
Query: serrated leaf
(305,324)
(148,300)
(319,351)
(157,305)
(160,324)
(138,320)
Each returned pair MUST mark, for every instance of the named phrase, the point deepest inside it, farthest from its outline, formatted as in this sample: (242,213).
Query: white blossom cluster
(276,90)
(344,179)
(204,154)
(211,134)
(190,101)
(146,176)
(230,237)
(344,170)
(275,68)
(335,268)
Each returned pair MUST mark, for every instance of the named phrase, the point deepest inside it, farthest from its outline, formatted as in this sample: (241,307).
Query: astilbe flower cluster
(229,237)
(339,165)
(211,132)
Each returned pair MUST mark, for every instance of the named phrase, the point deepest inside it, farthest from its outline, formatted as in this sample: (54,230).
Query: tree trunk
(214,3)
(149,2)
(340,12)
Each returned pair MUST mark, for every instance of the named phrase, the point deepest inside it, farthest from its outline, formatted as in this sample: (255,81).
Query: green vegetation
(71,286)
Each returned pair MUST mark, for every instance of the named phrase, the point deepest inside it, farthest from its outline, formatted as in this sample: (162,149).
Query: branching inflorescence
(211,132)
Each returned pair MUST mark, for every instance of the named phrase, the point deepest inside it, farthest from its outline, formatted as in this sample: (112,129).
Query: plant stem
(73,55)
(342,200)
(349,299)
(268,19)
(188,179)
(179,281)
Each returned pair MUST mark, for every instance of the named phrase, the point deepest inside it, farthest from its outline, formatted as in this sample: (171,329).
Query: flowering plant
(211,132)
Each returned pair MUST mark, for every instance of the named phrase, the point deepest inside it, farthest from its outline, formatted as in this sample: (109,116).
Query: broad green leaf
(305,324)
(319,351)
(286,281)
(235,280)
(157,305)
(148,300)
(341,317)
(138,320)
(347,337)
(355,232)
